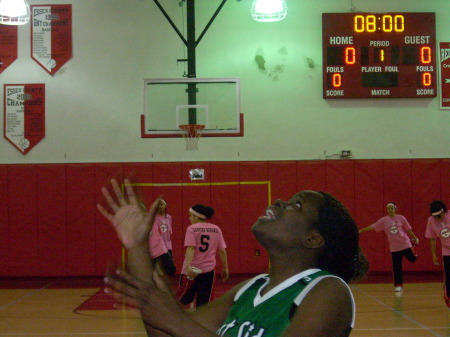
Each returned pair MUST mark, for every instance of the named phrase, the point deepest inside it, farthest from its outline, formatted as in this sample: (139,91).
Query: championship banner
(24,115)
(51,36)
(444,53)
(8,46)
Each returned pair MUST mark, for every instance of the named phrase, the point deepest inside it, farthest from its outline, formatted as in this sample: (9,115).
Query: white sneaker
(398,289)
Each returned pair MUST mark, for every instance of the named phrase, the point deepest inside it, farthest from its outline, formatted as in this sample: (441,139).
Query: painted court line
(35,291)
(412,320)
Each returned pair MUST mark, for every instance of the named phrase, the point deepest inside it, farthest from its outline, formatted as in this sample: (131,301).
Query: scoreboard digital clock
(379,55)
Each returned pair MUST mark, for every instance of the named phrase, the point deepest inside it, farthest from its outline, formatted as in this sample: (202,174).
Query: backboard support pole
(191,45)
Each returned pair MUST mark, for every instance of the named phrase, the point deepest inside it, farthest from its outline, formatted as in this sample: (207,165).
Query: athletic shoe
(398,289)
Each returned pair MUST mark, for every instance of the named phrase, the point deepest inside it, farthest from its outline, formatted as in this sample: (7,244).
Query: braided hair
(342,255)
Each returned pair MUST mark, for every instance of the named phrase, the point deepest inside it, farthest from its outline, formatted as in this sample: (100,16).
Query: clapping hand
(158,307)
(130,221)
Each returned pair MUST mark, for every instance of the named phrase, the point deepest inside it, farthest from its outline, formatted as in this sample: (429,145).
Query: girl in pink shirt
(158,246)
(438,226)
(398,232)
(202,241)
(164,222)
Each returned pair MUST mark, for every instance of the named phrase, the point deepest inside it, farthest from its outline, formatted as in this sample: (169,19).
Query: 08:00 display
(388,23)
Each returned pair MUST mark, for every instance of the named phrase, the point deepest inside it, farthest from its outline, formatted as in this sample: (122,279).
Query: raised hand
(130,221)
(155,301)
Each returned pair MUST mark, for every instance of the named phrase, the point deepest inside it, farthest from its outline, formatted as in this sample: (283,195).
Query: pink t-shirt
(207,239)
(440,229)
(156,245)
(396,228)
(164,224)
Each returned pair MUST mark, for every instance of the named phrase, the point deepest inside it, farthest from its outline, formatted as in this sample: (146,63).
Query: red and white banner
(51,36)
(24,115)
(8,46)
(444,61)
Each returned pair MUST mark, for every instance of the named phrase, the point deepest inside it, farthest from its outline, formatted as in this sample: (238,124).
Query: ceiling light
(14,12)
(269,10)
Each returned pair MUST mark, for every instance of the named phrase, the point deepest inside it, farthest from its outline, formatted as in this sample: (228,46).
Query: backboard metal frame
(147,132)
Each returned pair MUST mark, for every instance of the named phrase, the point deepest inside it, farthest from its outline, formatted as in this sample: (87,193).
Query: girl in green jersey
(313,246)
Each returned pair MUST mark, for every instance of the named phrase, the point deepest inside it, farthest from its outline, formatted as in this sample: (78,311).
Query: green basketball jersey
(253,315)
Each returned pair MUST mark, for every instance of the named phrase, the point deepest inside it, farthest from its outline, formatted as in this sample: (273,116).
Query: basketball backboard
(213,102)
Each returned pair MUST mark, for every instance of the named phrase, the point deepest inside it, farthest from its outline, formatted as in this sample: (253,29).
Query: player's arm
(413,236)
(203,322)
(366,229)
(223,258)
(161,313)
(326,311)
(190,250)
(213,314)
(433,251)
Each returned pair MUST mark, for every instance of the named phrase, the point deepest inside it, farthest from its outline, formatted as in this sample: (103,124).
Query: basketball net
(191,134)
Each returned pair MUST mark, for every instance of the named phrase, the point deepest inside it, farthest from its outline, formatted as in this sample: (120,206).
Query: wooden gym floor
(77,307)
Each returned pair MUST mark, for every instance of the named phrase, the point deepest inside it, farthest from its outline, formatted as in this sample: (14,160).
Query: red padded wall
(108,248)
(369,208)
(397,185)
(49,225)
(311,175)
(254,199)
(4,223)
(283,176)
(225,201)
(140,174)
(340,181)
(445,181)
(81,214)
(51,211)
(426,177)
(23,221)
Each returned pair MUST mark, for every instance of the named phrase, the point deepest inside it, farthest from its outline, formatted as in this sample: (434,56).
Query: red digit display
(426,79)
(350,55)
(379,55)
(337,80)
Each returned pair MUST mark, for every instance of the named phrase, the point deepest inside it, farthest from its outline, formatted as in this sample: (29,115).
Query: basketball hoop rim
(191,134)
(186,127)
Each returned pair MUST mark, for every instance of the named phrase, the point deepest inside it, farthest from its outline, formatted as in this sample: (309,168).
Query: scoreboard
(379,55)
